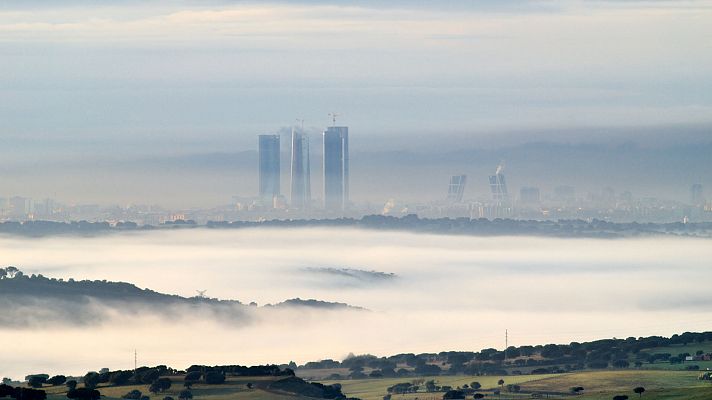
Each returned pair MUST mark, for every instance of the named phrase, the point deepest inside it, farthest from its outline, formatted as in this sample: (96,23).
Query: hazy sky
(575,289)
(113,76)
(89,91)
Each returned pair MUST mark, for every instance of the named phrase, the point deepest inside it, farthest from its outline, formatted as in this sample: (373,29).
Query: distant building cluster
(562,203)
(500,201)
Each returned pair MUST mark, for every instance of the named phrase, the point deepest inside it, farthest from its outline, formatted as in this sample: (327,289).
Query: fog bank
(426,293)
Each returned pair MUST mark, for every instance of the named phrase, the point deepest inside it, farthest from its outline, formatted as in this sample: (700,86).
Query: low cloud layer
(346,277)
(540,289)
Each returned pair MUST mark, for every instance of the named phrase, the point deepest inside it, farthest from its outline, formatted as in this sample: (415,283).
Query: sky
(83,82)
(575,290)
(187,74)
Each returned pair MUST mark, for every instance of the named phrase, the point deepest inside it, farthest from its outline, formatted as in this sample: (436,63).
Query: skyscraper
(456,189)
(300,171)
(499,186)
(269,168)
(336,167)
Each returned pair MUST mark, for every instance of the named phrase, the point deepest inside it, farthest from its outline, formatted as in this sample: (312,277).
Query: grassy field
(606,384)
(233,388)
(601,385)
(374,389)
(597,384)
(666,366)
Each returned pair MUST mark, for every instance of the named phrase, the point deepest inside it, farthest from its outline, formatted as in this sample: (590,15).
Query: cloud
(600,288)
(202,74)
(41,312)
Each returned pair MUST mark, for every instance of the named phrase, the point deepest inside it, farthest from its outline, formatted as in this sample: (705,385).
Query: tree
(36,381)
(639,390)
(120,378)
(620,397)
(400,388)
(479,396)
(57,380)
(475,385)
(214,378)
(454,394)
(427,369)
(193,376)
(71,384)
(91,379)
(160,385)
(185,395)
(154,388)
(148,376)
(500,382)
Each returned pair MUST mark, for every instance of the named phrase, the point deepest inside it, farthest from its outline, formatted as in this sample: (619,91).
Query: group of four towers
(335,169)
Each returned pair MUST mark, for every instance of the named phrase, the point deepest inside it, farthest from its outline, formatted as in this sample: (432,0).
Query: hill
(31,300)
(423,382)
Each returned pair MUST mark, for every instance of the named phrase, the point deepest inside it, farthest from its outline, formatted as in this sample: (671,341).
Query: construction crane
(201,293)
(333,116)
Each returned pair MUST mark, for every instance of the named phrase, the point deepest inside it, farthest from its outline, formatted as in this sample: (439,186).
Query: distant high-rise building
(300,171)
(456,189)
(697,196)
(529,195)
(498,185)
(269,168)
(336,167)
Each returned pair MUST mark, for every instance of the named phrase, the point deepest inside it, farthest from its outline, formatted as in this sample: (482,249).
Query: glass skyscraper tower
(269,168)
(336,167)
(300,171)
